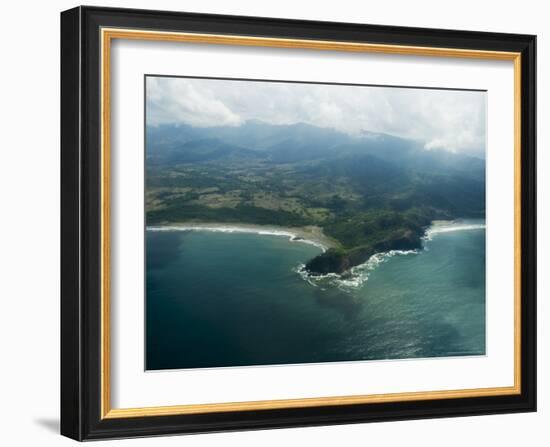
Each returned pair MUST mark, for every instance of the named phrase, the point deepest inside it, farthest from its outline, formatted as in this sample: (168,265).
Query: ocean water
(219,299)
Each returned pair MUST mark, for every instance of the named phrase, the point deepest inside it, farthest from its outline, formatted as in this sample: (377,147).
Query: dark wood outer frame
(81,223)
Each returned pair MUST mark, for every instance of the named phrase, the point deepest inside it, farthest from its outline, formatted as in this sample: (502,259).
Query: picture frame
(87,36)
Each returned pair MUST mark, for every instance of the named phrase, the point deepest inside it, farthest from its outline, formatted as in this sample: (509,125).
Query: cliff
(339,261)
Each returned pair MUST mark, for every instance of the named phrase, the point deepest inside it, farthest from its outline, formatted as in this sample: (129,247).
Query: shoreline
(312,235)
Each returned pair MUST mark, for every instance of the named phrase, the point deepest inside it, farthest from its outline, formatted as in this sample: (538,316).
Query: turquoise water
(231,299)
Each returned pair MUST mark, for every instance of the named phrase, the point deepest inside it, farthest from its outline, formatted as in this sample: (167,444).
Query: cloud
(170,101)
(441,119)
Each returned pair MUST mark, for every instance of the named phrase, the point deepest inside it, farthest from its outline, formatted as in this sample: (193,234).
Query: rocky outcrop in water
(339,261)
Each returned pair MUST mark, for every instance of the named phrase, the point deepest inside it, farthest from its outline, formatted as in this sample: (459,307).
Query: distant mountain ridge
(300,141)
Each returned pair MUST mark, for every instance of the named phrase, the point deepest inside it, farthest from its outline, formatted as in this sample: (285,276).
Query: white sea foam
(450,227)
(355,277)
(292,237)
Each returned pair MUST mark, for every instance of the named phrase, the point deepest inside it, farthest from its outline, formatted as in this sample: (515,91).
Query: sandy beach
(441,222)
(308,234)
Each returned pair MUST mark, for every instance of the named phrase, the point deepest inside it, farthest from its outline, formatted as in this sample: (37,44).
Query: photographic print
(273,223)
(291,223)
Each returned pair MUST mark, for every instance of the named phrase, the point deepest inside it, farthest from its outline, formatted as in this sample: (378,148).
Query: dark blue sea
(218,299)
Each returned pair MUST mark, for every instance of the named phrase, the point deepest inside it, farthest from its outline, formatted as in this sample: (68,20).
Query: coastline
(308,235)
(332,260)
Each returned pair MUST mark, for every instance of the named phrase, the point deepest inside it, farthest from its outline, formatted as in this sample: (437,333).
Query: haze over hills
(373,192)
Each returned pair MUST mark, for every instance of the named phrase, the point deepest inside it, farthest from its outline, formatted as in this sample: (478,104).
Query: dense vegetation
(370,193)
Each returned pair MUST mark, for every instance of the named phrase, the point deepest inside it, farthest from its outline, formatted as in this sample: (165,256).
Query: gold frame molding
(107,35)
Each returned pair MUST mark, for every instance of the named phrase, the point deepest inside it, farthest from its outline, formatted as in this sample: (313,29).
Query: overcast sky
(441,119)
